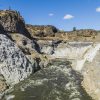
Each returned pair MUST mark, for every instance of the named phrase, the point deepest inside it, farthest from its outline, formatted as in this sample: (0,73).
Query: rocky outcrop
(27,45)
(91,82)
(14,65)
(52,33)
(13,22)
(84,32)
(42,31)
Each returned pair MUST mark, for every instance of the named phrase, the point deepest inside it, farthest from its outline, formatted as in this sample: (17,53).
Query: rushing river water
(56,82)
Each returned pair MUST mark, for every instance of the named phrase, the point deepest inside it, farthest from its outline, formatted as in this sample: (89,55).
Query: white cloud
(68,16)
(98,9)
(51,14)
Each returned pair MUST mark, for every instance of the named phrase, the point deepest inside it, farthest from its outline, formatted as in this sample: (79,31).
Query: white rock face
(14,66)
(46,47)
(71,50)
(91,73)
(80,52)
(89,56)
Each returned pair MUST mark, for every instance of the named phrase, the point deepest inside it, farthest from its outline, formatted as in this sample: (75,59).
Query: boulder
(14,65)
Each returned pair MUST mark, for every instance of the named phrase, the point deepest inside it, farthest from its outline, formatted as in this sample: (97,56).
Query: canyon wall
(85,59)
(24,49)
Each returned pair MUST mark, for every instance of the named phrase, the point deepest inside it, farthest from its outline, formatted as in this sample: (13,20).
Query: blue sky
(64,14)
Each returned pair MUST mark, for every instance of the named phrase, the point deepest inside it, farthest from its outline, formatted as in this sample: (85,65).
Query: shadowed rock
(13,22)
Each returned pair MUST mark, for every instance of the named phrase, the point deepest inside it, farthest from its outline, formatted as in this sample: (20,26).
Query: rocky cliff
(24,49)
(15,62)
(14,65)
(42,30)
(13,22)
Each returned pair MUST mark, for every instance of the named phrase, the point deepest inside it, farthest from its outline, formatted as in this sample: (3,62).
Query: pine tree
(74,28)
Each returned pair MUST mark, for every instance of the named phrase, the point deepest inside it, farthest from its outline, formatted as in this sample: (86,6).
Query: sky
(64,14)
